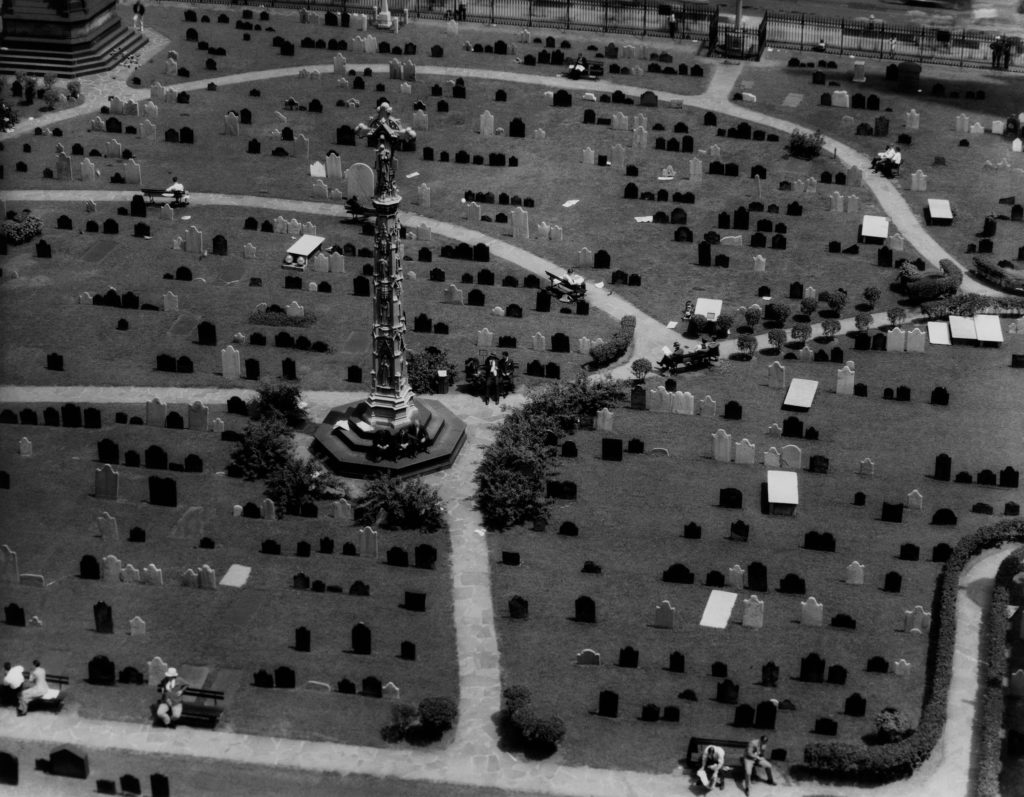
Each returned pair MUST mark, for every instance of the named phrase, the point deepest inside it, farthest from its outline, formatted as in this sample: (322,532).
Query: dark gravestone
(943,467)
(102,671)
(89,568)
(585,609)
(361,640)
(728,692)
(518,608)
(878,664)
(68,763)
(611,449)
(892,513)
(812,669)
(730,498)
(757,577)
(103,617)
(8,769)
(608,704)
(302,639)
(770,674)
(893,581)
(284,678)
(676,662)
(14,615)
(855,705)
(691,531)
(629,658)
(744,716)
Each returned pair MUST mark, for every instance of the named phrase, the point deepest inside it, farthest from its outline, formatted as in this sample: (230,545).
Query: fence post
(529,13)
(842,35)
(645,18)
(492,12)
(803,22)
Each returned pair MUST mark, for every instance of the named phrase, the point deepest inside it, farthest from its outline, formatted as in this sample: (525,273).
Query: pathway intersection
(473,758)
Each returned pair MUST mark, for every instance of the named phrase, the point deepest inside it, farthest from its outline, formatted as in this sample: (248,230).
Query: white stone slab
(718,609)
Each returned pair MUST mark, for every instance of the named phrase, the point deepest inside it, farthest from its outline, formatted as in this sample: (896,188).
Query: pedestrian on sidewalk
(753,757)
(997,51)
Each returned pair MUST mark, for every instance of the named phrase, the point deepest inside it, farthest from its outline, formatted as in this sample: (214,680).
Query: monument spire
(391,398)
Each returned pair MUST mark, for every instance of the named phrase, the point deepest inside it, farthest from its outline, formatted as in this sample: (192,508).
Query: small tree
(516,697)
(872,295)
(830,327)
(803,144)
(863,322)
(808,305)
(836,301)
(747,344)
(777,311)
(777,338)
(696,325)
(297,482)
(408,504)
(801,331)
(403,715)
(264,448)
(438,714)
(422,368)
(74,88)
(722,325)
(640,368)
(896,315)
(892,725)
(279,403)
(51,97)
(752,316)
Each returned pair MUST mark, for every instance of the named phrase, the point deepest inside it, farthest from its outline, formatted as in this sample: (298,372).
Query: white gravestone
(811,612)
(855,573)
(753,612)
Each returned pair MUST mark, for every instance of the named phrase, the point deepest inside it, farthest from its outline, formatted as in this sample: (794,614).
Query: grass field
(630,514)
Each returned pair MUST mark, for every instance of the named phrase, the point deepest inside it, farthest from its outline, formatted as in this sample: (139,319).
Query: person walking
(35,686)
(754,756)
(171,689)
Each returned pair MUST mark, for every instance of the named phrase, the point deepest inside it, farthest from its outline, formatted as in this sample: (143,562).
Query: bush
(269,318)
(896,315)
(438,713)
(282,403)
(265,447)
(403,715)
(830,327)
(404,504)
(298,481)
(538,734)
(422,368)
(801,331)
(777,311)
(640,368)
(898,760)
(74,88)
(604,354)
(921,288)
(803,144)
(516,697)
(543,731)
(892,725)
(808,305)
(836,300)
(863,322)
(22,228)
(872,295)
(752,316)
(747,344)
(722,325)
(512,474)
(777,338)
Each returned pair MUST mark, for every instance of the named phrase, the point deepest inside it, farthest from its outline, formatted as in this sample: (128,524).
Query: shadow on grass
(510,740)
(739,356)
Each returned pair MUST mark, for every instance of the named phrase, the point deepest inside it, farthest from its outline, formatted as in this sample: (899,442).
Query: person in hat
(171,689)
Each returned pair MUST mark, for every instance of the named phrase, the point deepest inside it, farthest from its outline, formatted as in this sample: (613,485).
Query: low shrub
(271,318)
(423,724)
(886,762)
(279,403)
(438,713)
(265,447)
(522,727)
(422,368)
(21,229)
(608,352)
(804,144)
(931,286)
(299,481)
(402,504)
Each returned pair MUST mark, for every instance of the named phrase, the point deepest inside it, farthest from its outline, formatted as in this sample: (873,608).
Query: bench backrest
(60,680)
(209,694)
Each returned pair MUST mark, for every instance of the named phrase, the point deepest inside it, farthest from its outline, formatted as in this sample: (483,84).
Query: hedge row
(993,663)
(971,304)
(606,353)
(933,286)
(899,760)
(511,480)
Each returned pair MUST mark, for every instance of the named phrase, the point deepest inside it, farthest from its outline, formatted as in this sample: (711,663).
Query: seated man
(672,358)
(754,756)
(882,158)
(14,680)
(711,762)
(171,689)
(579,69)
(890,168)
(574,279)
(35,686)
(175,188)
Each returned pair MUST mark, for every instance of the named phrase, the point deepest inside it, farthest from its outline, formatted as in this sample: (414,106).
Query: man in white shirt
(35,687)
(882,159)
(14,675)
(176,187)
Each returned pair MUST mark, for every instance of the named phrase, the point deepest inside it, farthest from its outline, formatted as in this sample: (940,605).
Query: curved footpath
(473,757)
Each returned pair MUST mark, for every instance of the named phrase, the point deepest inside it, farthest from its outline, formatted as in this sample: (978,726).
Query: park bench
(201,706)
(160,196)
(695,750)
(52,700)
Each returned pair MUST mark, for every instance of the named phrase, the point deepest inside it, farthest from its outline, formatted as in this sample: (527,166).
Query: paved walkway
(472,758)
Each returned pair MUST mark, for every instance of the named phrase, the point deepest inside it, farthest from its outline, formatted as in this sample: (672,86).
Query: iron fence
(702,22)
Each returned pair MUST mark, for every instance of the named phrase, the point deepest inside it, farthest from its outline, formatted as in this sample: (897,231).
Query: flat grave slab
(800,395)
(237,576)
(783,487)
(709,308)
(874,226)
(938,333)
(940,210)
(718,609)
(962,328)
(987,329)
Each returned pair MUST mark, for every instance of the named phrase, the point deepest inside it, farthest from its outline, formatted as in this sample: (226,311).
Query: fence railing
(691,20)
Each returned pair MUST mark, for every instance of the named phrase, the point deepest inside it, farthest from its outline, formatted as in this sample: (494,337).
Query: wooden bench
(54,698)
(199,710)
(595,70)
(697,744)
(159,196)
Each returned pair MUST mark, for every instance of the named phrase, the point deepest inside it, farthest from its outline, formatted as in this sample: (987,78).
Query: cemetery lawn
(972,189)
(90,342)
(631,515)
(50,521)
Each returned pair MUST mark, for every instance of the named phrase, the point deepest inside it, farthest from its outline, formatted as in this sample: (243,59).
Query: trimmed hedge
(892,761)
(606,353)
(932,286)
(994,668)
(973,303)
(21,228)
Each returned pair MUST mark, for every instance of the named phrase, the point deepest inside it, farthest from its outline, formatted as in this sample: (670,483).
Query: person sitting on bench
(176,187)
(670,359)
(579,69)
(883,158)
(711,762)
(35,686)
(753,756)
(891,167)
(14,679)
(171,689)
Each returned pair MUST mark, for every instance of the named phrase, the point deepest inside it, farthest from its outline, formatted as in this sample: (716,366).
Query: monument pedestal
(349,442)
(383,20)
